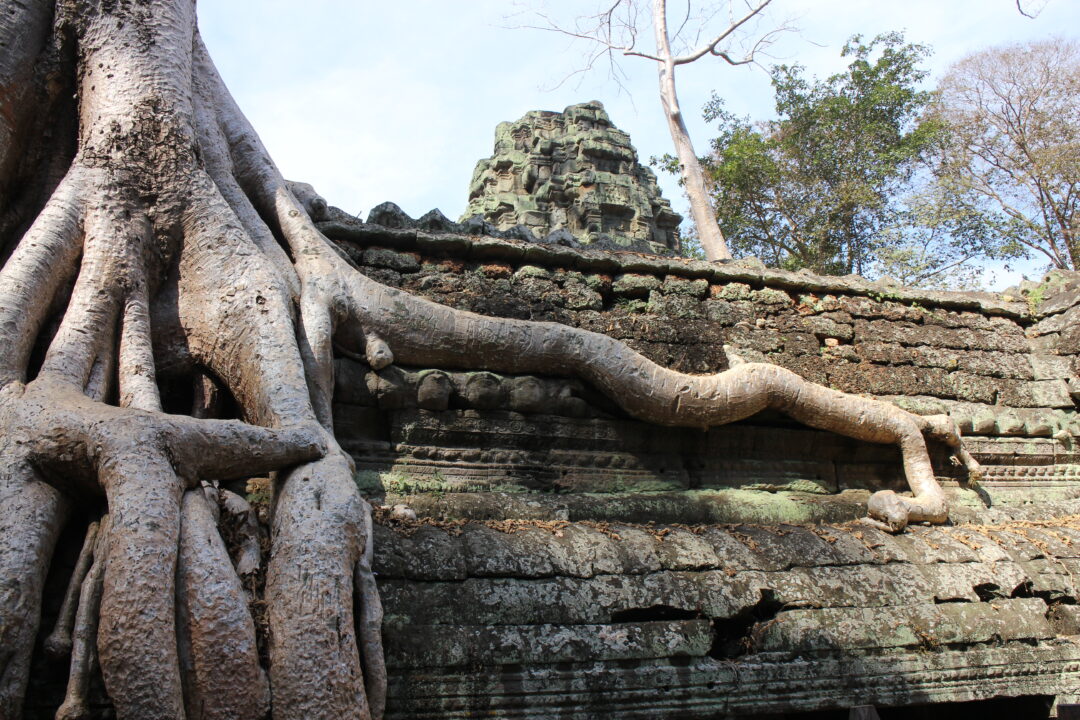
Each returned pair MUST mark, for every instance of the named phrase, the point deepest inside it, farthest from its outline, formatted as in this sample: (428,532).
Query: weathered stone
(908,333)
(770,297)
(883,353)
(732,291)
(728,313)
(579,296)
(562,600)
(675,285)
(434,221)
(971,582)
(634,285)
(750,686)
(674,306)
(801,344)
(390,215)
(482,390)
(824,327)
(749,337)
(391,259)
(1050,367)
(918,608)
(433,392)
(429,554)
(917,626)
(445,646)
(526,395)
(572,171)
(848,586)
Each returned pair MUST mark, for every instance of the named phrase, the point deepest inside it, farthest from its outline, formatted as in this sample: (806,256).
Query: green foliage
(830,185)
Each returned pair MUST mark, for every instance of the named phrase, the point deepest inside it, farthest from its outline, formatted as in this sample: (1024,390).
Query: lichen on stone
(572,172)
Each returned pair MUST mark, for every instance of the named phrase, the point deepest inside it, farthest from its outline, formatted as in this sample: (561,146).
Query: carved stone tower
(577,172)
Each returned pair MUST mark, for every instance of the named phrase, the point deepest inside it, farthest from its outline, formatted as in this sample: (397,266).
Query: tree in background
(705,29)
(815,187)
(935,233)
(1014,147)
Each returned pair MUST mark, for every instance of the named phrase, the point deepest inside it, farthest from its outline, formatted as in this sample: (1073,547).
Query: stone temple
(541,554)
(573,171)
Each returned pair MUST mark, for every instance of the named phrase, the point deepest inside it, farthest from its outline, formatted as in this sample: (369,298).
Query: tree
(615,28)
(1015,117)
(153,256)
(815,187)
(932,236)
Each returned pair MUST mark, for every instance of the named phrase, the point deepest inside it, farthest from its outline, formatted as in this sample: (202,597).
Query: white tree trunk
(701,208)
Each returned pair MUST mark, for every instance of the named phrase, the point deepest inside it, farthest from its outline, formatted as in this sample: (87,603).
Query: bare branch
(1032,14)
(712,47)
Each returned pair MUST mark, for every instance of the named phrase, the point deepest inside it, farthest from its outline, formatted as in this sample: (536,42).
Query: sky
(376,101)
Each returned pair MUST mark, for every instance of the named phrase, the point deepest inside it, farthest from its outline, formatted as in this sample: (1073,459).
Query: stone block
(445,646)
(563,600)
(883,353)
(849,586)
(801,344)
(824,327)
(728,313)
(681,549)
(1037,394)
(732,291)
(675,285)
(771,297)
(926,626)
(634,285)
(750,337)
(428,554)
(403,262)
(1050,367)
(674,306)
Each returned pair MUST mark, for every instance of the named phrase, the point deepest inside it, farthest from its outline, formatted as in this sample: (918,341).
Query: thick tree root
(370,628)
(84,646)
(219,657)
(319,532)
(31,516)
(58,644)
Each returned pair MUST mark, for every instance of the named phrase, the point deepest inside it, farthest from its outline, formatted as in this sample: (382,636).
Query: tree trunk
(167,248)
(701,207)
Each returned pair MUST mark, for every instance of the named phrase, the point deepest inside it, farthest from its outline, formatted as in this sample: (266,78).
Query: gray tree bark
(147,237)
(701,207)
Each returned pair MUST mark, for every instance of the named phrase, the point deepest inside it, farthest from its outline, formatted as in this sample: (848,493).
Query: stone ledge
(707,688)
(584,259)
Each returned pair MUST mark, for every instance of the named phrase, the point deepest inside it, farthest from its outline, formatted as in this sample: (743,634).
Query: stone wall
(568,560)
(1004,373)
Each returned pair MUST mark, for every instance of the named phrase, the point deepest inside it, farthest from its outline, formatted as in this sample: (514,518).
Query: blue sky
(397,101)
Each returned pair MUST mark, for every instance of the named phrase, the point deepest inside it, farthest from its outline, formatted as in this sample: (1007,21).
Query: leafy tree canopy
(842,180)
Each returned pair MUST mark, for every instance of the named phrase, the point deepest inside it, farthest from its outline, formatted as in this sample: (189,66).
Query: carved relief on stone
(573,171)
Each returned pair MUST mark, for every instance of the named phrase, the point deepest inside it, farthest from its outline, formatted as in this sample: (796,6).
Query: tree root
(239,520)
(370,626)
(58,644)
(84,647)
(32,514)
(219,657)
